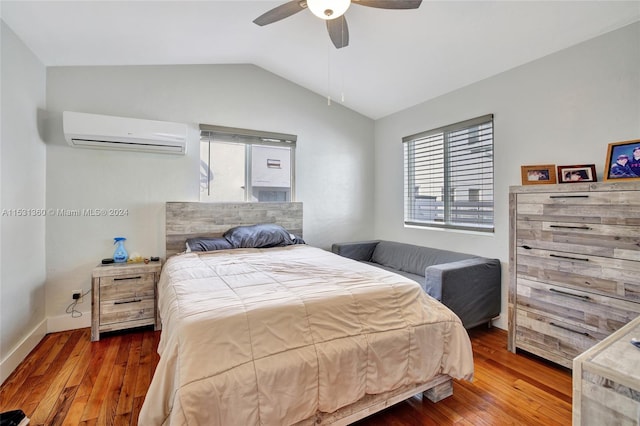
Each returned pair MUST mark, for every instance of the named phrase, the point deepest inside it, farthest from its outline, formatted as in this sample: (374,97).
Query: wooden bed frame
(194,219)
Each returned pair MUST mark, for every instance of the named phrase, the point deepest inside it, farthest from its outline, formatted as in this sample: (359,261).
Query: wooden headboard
(194,219)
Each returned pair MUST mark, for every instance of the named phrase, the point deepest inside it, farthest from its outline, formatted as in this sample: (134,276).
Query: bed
(291,334)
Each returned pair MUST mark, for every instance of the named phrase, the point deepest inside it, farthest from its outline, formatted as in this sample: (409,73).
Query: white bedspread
(271,336)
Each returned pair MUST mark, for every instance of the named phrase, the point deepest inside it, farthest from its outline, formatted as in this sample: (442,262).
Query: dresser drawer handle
(566,293)
(128,278)
(585,228)
(568,257)
(122,302)
(584,333)
(568,196)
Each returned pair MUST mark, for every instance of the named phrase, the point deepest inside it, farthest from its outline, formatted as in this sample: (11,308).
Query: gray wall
(334,161)
(562,109)
(22,178)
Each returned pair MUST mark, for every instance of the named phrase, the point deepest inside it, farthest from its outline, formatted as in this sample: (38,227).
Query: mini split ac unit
(131,134)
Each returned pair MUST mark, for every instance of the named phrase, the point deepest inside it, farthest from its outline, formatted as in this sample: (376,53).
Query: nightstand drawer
(127,309)
(127,287)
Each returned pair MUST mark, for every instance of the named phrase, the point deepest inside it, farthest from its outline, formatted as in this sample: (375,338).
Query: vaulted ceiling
(395,58)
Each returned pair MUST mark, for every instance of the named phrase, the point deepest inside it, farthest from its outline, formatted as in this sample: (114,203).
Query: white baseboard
(47,325)
(66,322)
(21,351)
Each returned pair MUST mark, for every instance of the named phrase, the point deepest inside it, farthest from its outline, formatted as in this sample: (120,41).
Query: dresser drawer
(552,338)
(610,277)
(598,223)
(606,207)
(600,314)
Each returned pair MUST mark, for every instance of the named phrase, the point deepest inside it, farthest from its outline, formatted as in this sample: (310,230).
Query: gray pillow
(208,244)
(296,239)
(258,236)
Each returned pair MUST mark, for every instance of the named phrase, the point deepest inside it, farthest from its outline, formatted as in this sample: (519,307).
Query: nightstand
(124,295)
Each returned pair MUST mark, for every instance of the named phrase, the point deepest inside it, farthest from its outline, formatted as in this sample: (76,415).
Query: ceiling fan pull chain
(328,75)
(342,80)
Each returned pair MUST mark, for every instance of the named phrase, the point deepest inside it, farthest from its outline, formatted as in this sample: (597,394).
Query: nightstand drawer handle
(585,228)
(122,302)
(569,196)
(569,329)
(569,257)
(128,278)
(566,293)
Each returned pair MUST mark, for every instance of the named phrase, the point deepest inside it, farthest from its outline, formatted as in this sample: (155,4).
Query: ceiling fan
(333,12)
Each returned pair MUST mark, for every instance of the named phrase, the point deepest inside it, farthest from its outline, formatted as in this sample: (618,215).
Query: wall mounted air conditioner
(131,134)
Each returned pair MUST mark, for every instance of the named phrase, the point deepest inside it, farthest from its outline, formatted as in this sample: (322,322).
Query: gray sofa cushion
(417,278)
(361,250)
(411,258)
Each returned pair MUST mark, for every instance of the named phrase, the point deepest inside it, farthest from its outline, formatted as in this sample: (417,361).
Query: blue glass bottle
(120,255)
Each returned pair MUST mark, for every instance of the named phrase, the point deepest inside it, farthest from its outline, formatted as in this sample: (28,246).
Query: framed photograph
(623,161)
(578,173)
(538,175)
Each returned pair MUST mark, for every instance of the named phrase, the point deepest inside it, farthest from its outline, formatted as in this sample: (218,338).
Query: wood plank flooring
(67,380)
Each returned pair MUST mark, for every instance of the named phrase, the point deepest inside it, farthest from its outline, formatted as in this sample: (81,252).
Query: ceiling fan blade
(338,31)
(389,4)
(280,12)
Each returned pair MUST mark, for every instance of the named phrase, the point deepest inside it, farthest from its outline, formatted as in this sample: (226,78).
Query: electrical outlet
(77,296)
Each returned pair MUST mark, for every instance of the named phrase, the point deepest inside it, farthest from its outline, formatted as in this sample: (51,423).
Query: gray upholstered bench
(468,285)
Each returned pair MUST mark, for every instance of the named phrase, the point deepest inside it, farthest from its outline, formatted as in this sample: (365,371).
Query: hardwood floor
(508,389)
(69,380)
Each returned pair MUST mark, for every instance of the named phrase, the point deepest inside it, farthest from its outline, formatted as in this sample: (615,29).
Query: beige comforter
(270,336)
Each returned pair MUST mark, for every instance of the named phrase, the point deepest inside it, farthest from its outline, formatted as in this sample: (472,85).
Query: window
(448,176)
(245,165)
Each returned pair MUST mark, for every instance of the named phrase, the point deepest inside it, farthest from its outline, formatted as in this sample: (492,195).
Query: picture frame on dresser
(623,161)
(538,174)
(577,173)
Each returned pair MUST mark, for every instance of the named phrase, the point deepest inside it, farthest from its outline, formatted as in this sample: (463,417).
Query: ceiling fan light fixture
(328,9)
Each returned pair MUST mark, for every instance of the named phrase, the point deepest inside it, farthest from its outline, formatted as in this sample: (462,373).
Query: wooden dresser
(574,266)
(606,381)
(124,296)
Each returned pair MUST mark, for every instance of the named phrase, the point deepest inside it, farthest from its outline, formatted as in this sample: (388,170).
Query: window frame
(249,138)
(409,177)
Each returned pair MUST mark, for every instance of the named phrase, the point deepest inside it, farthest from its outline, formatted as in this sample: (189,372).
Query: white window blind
(246,165)
(448,176)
